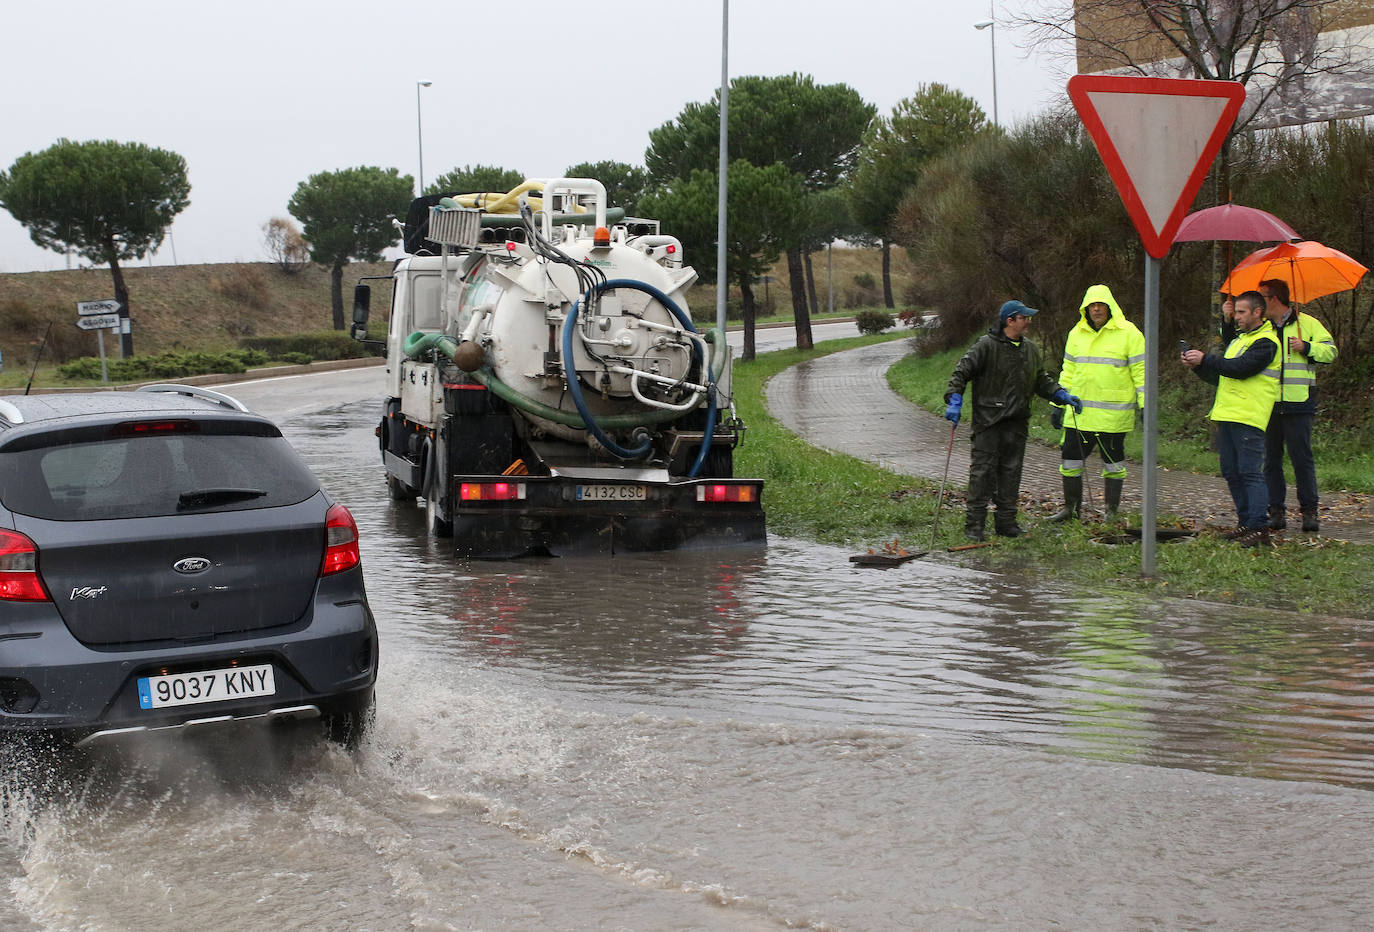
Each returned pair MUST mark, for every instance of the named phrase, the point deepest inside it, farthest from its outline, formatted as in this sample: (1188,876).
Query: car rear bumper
(78,690)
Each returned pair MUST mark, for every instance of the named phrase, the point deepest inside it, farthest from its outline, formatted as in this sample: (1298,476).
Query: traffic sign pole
(99,316)
(1149,481)
(1157,138)
(100,341)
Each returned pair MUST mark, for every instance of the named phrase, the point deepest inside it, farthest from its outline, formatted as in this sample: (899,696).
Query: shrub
(249,357)
(326,344)
(161,366)
(874,321)
(917,319)
(866,281)
(297,359)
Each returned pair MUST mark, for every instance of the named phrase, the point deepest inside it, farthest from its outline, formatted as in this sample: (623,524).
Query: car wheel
(347,722)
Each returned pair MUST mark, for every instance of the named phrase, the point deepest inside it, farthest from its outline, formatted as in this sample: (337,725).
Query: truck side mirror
(362,307)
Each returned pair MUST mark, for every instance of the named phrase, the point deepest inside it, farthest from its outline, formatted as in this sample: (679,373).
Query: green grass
(841,500)
(818,495)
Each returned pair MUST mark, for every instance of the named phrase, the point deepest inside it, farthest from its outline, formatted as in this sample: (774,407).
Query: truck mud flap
(508,535)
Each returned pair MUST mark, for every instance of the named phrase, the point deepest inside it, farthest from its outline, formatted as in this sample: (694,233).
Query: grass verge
(838,499)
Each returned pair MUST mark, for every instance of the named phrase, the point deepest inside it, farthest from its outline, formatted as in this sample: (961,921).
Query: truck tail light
(340,541)
(491,491)
(19,579)
(720,492)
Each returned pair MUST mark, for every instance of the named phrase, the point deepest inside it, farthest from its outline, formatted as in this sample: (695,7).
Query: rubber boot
(1111,494)
(1073,500)
(975,523)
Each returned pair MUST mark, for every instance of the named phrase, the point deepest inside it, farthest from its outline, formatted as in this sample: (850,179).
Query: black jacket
(1005,376)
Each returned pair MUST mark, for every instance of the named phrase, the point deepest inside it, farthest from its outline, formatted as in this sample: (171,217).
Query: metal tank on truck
(547,391)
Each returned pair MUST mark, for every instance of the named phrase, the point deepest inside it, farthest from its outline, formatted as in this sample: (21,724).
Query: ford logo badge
(189,566)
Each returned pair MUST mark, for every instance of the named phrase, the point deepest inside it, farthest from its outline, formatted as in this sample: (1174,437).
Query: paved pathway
(842,402)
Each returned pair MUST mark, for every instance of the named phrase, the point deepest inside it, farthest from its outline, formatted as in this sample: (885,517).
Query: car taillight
(340,541)
(19,580)
(491,491)
(718,492)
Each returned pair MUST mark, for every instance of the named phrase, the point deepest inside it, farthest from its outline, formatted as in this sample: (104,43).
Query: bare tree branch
(1286,52)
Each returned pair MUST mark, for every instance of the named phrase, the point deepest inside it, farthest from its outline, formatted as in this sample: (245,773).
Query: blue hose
(706,438)
(575,390)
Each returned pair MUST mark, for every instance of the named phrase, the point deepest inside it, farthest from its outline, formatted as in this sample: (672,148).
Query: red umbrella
(1233,222)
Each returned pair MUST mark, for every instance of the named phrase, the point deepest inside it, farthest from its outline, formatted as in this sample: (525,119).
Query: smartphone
(1183,346)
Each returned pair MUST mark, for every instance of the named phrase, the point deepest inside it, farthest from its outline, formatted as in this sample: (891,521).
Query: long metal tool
(1086,484)
(949,453)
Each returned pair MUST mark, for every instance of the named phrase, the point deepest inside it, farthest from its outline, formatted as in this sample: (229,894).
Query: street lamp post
(420,134)
(991,26)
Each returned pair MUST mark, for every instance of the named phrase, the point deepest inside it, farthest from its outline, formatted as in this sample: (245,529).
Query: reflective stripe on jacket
(1105,368)
(1297,370)
(1249,400)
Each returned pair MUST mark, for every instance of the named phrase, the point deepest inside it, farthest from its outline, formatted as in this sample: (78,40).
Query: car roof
(72,408)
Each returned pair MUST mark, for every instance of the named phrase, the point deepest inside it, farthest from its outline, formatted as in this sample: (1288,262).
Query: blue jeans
(1242,466)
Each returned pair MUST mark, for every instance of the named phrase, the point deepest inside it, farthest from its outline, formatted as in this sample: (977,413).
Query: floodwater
(740,740)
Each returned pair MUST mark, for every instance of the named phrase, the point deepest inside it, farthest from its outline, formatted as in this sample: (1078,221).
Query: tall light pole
(723,184)
(420,134)
(991,26)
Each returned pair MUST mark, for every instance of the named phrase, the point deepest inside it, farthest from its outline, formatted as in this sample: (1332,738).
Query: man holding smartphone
(1247,379)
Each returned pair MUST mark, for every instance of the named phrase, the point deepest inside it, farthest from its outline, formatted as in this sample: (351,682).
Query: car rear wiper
(199,498)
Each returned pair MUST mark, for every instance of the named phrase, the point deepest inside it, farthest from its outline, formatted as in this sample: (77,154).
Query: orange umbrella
(1310,269)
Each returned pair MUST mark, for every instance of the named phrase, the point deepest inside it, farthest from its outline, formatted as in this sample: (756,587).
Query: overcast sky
(257,96)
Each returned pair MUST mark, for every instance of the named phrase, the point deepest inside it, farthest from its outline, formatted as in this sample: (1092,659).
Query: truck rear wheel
(434,524)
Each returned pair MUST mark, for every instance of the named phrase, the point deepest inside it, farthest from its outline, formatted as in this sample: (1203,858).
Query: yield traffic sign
(1157,138)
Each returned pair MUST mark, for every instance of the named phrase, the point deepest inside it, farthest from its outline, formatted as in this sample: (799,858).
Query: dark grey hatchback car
(167,561)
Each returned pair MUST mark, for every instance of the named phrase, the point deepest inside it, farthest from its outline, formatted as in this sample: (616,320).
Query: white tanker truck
(547,391)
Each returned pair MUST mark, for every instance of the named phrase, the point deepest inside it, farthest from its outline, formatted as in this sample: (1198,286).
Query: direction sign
(1157,138)
(108,306)
(98,321)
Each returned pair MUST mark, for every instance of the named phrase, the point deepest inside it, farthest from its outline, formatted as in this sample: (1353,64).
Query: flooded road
(738,740)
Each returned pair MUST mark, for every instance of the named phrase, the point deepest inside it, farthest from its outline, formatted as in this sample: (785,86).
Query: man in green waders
(1006,369)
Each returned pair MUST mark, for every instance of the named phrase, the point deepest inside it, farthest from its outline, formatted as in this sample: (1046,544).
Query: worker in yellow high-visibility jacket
(1304,342)
(1247,379)
(1104,365)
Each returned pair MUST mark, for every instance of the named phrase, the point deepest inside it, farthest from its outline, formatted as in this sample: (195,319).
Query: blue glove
(956,404)
(1064,398)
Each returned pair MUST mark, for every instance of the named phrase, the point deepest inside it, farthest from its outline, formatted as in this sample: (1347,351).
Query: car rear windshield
(169,469)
